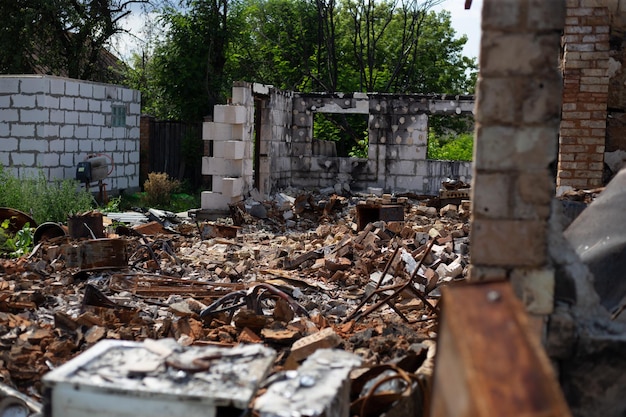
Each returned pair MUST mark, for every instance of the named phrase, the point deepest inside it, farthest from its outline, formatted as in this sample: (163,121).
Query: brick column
(517,120)
(585,94)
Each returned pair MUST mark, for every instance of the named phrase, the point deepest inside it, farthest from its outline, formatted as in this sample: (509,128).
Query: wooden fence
(175,148)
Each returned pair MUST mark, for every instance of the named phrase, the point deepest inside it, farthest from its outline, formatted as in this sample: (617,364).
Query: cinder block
(221,167)
(217,131)
(210,200)
(230,149)
(240,95)
(130,378)
(212,166)
(239,132)
(216,183)
(232,187)
(320,388)
(229,114)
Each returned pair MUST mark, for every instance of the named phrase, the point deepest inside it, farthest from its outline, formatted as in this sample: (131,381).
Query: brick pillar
(585,94)
(144,147)
(517,120)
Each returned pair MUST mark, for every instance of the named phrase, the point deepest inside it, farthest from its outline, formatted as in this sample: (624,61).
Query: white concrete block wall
(231,135)
(53,123)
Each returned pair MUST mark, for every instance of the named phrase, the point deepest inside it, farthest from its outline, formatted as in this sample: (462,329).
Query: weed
(45,201)
(19,244)
(159,189)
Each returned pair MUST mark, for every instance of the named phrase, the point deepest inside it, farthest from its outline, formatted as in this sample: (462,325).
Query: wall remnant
(517,120)
(54,123)
(279,149)
(585,66)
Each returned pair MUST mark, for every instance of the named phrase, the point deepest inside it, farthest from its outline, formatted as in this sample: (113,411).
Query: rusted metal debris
(304,278)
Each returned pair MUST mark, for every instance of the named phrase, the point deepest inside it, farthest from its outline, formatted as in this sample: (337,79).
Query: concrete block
(217,131)
(320,388)
(86,146)
(216,183)
(221,167)
(135,108)
(518,53)
(24,131)
(9,115)
(524,149)
(44,100)
(72,145)
(492,200)
(99,92)
(229,114)
(34,85)
(230,149)
(93,132)
(24,101)
(128,95)
(81,104)
(263,89)
(34,116)
(67,160)
(112,93)
(71,88)
(80,132)
(23,159)
(232,186)
(508,243)
(85,90)
(9,144)
(85,118)
(112,376)
(213,201)
(71,117)
(241,95)
(240,132)
(48,159)
(9,85)
(98,119)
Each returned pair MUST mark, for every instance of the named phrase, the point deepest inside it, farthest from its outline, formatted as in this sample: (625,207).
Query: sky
(465,22)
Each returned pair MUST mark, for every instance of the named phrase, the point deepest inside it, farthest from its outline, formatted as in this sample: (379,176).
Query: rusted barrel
(49,230)
(17,219)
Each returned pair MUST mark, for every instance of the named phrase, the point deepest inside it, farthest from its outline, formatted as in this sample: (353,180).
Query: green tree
(274,43)
(184,76)
(61,37)
(401,48)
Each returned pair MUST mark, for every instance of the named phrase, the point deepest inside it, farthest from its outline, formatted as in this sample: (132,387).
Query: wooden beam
(488,362)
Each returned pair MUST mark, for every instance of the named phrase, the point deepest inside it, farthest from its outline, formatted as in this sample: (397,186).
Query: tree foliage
(395,46)
(61,37)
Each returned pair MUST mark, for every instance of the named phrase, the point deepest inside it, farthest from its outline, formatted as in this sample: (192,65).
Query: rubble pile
(298,272)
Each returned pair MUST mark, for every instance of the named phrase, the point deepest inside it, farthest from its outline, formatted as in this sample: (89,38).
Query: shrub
(451,148)
(159,189)
(43,200)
